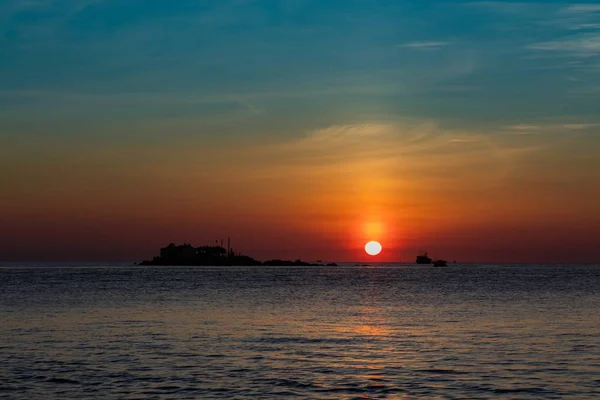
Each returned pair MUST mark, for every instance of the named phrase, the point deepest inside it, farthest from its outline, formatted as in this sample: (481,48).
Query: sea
(393,331)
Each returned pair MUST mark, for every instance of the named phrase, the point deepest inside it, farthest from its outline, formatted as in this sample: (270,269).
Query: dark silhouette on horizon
(424,259)
(188,255)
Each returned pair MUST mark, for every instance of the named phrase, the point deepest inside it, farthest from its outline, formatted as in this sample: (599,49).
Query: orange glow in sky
(320,196)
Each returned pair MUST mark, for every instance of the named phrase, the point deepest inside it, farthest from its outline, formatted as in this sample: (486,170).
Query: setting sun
(373,248)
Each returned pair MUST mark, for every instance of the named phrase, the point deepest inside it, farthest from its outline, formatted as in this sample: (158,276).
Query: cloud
(530,129)
(579,17)
(426,45)
(582,8)
(390,150)
(463,140)
(577,127)
(338,133)
(583,45)
(524,129)
(576,29)
(350,143)
(585,26)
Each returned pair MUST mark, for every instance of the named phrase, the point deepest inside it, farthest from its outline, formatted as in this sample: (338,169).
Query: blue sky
(462,63)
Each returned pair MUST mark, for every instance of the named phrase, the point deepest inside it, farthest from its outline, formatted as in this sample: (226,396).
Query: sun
(373,248)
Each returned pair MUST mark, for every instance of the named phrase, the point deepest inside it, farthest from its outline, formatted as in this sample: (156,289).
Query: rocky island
(188,255)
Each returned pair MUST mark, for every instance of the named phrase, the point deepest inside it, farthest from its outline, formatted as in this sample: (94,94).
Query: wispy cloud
(583,45)
(577,127)
(355,142)
(524,128)
(464,140)
(426,45)
(394,155)
(584,26)
(532,129)
(582,8)
(579,17)
(411,140)
(575,33)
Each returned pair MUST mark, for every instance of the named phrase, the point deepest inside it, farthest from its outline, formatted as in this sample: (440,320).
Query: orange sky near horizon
(411,186)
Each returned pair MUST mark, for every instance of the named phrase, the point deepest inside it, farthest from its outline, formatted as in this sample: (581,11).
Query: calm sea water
(395,332)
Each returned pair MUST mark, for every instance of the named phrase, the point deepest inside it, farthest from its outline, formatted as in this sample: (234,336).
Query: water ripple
(526,332)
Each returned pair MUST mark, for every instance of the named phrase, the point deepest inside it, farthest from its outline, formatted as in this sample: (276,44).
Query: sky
(300,128)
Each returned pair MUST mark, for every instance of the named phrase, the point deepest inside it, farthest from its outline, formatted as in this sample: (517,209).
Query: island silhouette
(188,255)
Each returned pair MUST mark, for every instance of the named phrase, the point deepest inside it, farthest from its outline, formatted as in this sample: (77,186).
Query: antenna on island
(228,245)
